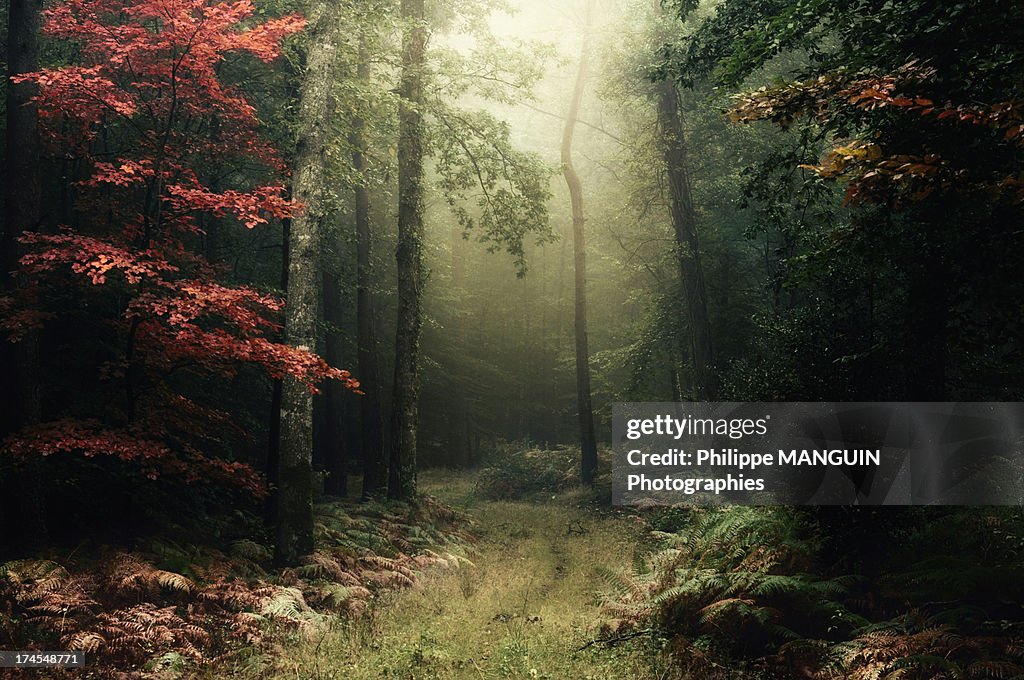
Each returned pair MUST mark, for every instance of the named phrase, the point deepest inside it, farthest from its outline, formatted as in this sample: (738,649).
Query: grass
(524,607)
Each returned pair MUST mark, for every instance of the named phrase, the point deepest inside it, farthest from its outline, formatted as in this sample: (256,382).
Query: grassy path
(528,602)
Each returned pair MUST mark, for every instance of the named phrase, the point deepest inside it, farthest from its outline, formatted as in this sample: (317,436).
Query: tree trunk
(294,531)
(402,473)
(375,465)
(588,442)
(458,455)
(273,465)
(274,434)
(333,446)
(22,152)
(684,224)
(23,400)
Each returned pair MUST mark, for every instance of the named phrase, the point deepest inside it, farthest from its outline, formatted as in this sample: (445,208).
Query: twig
(609,641)
(581,122)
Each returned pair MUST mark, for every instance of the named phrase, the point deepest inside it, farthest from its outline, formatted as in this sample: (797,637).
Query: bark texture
(588,441)
(334,448)
(273,464)
(684,225)
(405,399)
(294,529)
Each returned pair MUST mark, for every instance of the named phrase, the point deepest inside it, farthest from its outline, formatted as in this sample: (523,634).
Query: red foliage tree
(148,113)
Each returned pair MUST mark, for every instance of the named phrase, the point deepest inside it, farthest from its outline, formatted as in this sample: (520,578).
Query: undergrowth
(743,592)
(518,470)
(526,610)
(165,610)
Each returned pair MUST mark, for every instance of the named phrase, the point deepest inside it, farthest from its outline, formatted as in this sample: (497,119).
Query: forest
(314,313)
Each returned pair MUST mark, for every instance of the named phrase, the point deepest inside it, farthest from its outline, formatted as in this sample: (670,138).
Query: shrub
(739,580)
(513,470)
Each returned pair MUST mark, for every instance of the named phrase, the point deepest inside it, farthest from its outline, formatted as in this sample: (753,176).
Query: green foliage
(891,284)
(748,588)
(494,191)
(742,35)
(735,582)
(514,470)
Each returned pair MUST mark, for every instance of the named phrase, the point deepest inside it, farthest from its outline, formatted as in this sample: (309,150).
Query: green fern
(737,575)
(285,603)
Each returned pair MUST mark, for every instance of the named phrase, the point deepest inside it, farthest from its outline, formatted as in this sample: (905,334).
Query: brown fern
(130,576)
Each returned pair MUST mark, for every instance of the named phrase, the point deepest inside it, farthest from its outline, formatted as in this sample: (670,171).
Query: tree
(588,441)
(409,254)
(294,522)
(684,226)
(496,193)
(139,110)
(21,404)
(924,128)
(22,152)
(331,441)
(375,464)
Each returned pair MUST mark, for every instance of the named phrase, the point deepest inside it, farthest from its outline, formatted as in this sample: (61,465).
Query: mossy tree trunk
(294,525)
(409,254)
(334,449)
(687,243)
(273,464)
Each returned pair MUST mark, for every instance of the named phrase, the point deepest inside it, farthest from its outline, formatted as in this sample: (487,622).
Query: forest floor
(524,608)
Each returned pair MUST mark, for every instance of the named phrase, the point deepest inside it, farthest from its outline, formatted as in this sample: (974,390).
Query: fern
(250,550)
(330,596)
(285,603)
(739,577)
(323,566)
(174,607)
(895,649)
(132,634)
(35,578)
(85,641)
(130,575)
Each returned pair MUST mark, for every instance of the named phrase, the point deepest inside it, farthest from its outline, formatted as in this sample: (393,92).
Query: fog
(505,344)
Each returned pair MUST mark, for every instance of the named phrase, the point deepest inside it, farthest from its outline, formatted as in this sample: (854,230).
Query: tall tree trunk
(22,153)
(458,406)
(402,473)
(333,446)
(274,435)
(684,224)
(23,397)
(375,465)
(294,530)
(588,441)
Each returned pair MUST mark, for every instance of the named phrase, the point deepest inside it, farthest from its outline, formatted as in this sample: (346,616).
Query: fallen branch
(609,641)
